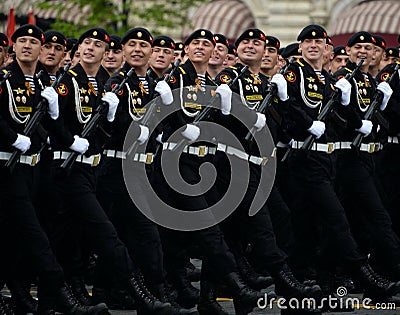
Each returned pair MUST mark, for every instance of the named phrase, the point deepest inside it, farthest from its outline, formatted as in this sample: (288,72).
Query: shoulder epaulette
(398,62)
(122,73)
(349,70)
(183,71)
(73,73)
(300,63)
(5,71)
(232,67)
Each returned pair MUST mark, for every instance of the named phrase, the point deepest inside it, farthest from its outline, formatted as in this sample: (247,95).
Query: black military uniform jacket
(307,96)
(17,105)
(250,88)
(78,101)
(392,110)
(192,97)
(132,100)
(362,94)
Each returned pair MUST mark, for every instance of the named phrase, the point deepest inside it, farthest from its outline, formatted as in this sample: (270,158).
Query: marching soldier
(379,51)
(313,171)
(79,96)
(3,49)
(339,60)
(19,97)
(270,58)
(179,51)
(391,55)
(113,58)
(328,54)
(230,59)
(356,168)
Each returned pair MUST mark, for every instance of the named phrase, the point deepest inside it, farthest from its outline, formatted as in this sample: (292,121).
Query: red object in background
(10,24)
(31,17)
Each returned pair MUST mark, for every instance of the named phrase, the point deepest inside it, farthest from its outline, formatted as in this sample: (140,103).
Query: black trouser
(239,227)
(314,196)
(79,205)
(16,193)
(356,177)
(139,234)
(210,240)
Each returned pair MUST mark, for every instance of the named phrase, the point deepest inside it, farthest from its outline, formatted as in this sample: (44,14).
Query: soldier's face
(251,51)
(338,62)
(230,60)
(51,54)
(113,59)
(27,49)
(137,52)
(219,55)
(313,49)
(270,58)
(92,50)
(161,58)
(377,56)
(360,51)
(199,50)
(3,55)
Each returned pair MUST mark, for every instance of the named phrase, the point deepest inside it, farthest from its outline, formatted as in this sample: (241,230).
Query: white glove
(159,138)
(113,101)
(23,143)
(387,91)
(261,121)
(80,145)
(144,134)
(191,132)
(165,92)
(317,128)
(366,127)
(226,98)
(51,96)
(281,83)
(344,86)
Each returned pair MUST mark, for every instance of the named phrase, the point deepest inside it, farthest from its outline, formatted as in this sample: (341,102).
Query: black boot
(62,300)
(288,286)
(5,309)
(21,297)
(244,298)
(188,295)
(250,276)
(176,309)
(147,302)
(192,272)
(376,285)
(208,304)
(78,288)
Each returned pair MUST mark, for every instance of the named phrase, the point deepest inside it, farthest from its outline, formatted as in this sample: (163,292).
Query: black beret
(219,38)
(71,43)
(251,33)
(380,41)
(97,33)
(55,37)
(115,42)
(179,46)
(291,50)
(28,30)
(3,40)
(164,41)
(200,33)
(312,31)
(137,33)
(339,51)
(232,49)
(361,37)
(392,52)
(73,50)
(272,41)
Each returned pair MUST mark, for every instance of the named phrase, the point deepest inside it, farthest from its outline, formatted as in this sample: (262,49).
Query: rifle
(206,111)
(5,77)
(34,122)
(95,121)
(267,102)
(308,143)
(372,109)
(151,108)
